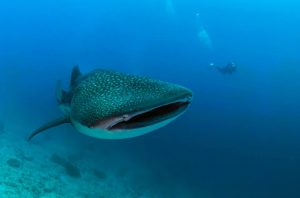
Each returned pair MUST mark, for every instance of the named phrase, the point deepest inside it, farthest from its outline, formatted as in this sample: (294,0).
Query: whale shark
(108,104)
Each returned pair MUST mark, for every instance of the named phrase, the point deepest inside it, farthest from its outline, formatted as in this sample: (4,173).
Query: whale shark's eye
(126,117)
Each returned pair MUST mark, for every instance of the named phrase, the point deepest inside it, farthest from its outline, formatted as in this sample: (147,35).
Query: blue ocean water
(238,139)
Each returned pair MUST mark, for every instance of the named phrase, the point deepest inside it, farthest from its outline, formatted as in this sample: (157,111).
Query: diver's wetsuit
(228,69)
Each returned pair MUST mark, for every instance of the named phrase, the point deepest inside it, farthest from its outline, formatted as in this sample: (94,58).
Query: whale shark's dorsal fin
(75,75)
(49,125)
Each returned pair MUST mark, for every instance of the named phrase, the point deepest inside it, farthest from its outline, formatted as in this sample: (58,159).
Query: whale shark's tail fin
(60,93)
(76,74)
(49,125)
(62,96)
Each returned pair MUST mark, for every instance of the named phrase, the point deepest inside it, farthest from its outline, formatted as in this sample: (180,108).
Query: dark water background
(240,138)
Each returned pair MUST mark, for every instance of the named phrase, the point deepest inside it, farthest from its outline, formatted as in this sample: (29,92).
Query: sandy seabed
(33,170)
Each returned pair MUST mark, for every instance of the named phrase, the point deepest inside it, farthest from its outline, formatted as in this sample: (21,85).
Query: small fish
(113,105)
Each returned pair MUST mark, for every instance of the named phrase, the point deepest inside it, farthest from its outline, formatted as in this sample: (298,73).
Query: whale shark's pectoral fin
(54,123)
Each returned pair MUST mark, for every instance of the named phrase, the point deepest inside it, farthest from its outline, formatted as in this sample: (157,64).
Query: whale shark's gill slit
(153,116)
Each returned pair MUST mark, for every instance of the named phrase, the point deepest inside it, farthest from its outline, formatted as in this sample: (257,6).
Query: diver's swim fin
(48,125)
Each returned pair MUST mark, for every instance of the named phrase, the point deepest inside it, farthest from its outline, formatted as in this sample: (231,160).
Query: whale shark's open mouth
(151,117)
(144,118)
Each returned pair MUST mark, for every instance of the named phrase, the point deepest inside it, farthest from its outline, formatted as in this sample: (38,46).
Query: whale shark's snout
(113,105)
(152,111)
(153,114)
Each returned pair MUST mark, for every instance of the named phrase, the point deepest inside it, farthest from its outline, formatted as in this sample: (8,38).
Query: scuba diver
(227,69)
